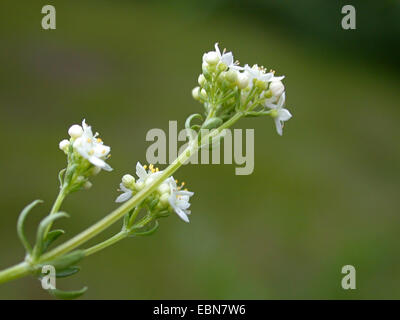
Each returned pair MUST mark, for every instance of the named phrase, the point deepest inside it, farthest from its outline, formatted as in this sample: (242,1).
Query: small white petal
(284,115)
(141,172)
(124,196)
(278,126)
(182,215)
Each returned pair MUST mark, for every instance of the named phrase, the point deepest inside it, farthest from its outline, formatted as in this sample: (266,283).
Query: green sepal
(66,261)
(67,272)
(20,225)
(69,173)
(60,177)
(51,237)
(67,295)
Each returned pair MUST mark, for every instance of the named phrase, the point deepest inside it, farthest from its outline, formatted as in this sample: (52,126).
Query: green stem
(56,207)
(18,271)
(23,268)
(102,245)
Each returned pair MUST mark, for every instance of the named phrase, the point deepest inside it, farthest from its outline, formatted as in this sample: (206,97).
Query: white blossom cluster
(169,196)
(225,87)
(86,155)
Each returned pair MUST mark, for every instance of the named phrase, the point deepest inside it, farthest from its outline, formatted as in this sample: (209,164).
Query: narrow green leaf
(67,272)
(191,118)
(20,225)
(60,176)
(67,295)
(212,123)
(67,260)
(148,232)
(51,237)
(37,251)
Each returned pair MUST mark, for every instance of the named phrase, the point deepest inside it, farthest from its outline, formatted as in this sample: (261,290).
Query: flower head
(91,147)
(169,194)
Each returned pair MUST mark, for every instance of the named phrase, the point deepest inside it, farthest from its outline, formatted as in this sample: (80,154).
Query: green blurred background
(324,195)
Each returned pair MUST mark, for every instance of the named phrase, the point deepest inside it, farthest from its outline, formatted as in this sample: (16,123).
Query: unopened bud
(211,58)
(242,80)
(75,131)
(64,145)
(196,93)
(201,80)
(276,88)
(128,181)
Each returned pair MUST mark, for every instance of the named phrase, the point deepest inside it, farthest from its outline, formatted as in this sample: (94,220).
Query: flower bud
(164,199)
(75,131)
(267,94)
(87,185)
(231,75)
(211,58)
(196,93)
(222,66)
(276,87)
(203,93)
(64,145)
(242,80)
(128,181)
(202,80)
(164,188)
(261,84)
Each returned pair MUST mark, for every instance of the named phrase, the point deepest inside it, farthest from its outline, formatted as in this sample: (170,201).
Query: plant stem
(56,207)
(23,268)
(102,245)
(18,271)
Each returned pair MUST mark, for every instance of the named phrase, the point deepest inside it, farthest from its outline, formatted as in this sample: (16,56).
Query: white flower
(179,200)
(92,148)
(258,73)
(279,113)
(127,194)
(216,57)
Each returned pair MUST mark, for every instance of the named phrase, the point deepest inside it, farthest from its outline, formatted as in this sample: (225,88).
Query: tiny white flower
(259,73)
(126,195)
(75,131)
(279,113)
(179,200)
(92,148)
(217,57)
(64,145)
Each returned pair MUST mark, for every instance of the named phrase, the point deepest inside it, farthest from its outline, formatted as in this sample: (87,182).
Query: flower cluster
(226,88)
(86,155)
(168,197)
